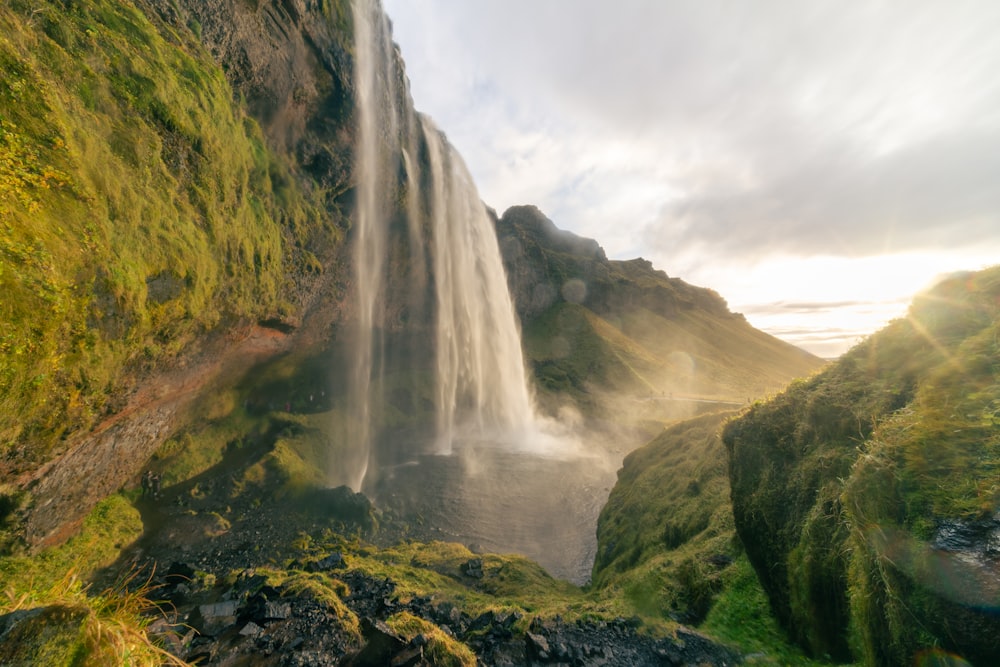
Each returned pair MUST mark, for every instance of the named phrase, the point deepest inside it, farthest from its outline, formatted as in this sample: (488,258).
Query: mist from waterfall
(408,175)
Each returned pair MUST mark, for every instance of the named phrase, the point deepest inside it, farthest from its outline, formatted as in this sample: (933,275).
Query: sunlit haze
(815,163)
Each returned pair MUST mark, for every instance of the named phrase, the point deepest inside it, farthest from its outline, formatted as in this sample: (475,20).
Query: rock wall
(111,456)
(546,265)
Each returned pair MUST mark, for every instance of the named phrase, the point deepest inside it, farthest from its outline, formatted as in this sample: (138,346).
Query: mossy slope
(615,334)
(846,487)
(139,207)
(668,546)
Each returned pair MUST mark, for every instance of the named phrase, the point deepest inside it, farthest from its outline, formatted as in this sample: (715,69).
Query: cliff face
(867,496)
(290,63)
(547,265)
(160,202)
(594,326)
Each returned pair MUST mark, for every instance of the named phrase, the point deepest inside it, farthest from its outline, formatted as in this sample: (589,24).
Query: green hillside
(140,208)
(623,338)
(668,546)
(867,496)
(166,185)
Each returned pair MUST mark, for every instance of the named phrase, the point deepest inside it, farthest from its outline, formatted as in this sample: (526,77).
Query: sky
(816,162)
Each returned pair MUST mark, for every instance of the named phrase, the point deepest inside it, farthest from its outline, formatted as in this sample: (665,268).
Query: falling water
(480,388)
(370,241)
(437,364)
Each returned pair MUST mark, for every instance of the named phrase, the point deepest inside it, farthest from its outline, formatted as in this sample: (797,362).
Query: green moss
(111,526)
(53,636)
(667,544)
(68,624)
(327,590)
(742,616)
(668,513)
(510,582)
(840,483)
(74,629)
(138,207)
(441,649)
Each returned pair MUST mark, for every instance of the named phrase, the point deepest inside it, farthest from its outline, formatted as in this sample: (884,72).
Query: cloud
(784,307)
(937,193)
(785,124)
(725,133)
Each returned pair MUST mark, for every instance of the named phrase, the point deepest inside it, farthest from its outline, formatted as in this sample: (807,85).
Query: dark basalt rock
(383,644)
(179,573)
(332,562)
(976,540)
(473,568)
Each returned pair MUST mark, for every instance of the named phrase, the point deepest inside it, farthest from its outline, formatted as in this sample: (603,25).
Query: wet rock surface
(978,541)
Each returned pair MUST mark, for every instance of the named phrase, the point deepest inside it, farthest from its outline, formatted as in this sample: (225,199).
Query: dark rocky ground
(252,623)
(205,554)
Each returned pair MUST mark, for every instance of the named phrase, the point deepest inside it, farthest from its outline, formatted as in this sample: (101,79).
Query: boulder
(473,568)
(212,619)
(382,644)
(537,646)
(334,561)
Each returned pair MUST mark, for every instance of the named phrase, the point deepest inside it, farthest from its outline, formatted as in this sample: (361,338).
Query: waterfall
(481,388)
(457,304)
(368,257)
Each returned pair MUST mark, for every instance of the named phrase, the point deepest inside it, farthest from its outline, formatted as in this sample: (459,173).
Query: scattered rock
(276,611)
(382,644)
(408,657)
(334,561)
(251,629)
(537,645)
(719,561)
(473,568)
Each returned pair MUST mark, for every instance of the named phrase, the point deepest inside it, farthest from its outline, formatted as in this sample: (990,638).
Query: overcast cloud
(724,140)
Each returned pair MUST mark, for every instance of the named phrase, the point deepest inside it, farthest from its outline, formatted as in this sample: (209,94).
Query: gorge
(393,425)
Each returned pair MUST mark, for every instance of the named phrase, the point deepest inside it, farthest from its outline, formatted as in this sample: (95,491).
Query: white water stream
(481,392)
(481,388)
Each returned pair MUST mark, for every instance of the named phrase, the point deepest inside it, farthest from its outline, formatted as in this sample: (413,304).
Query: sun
(826,304)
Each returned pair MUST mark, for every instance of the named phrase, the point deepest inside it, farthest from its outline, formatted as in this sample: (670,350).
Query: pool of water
(494,500)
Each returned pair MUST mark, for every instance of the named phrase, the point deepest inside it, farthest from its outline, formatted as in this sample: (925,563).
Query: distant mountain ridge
(593,325)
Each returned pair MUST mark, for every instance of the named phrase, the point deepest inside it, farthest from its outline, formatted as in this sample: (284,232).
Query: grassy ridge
(670,493)
(668,546)
(139,208)
(610,333)
(843,484)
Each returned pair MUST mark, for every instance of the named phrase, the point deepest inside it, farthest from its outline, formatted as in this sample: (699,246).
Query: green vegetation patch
(60,620)
(666,533)
(667,544)
(846,486)
(668,493)
(441,649)
(741,615)
(113,524)
(138,205)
